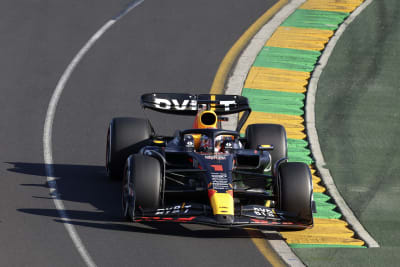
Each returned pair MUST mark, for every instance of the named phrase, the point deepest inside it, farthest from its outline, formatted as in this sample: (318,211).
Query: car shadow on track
(89,184)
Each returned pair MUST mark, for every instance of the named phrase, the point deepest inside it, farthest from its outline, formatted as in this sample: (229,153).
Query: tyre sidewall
(295,190)
(125,136)
(146,181)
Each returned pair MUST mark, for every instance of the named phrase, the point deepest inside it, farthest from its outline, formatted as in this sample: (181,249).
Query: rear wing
(188,104)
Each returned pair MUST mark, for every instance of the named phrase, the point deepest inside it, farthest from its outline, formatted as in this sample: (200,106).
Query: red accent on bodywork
(271,222)
(217,168)
(185,219)
(147,219)
(211,192)
(260,221)
(230,192)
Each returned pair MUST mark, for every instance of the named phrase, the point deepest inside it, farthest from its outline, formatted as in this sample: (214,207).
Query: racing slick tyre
(268,134)
(141,185)
(125,136)
(295,191)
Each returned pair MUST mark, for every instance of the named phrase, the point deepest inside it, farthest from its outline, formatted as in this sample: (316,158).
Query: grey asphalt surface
(163,46)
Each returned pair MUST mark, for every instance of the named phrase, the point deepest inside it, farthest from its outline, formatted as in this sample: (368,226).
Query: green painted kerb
(325,209)
(286,58)
(298,151)
(275,102)
(315,19)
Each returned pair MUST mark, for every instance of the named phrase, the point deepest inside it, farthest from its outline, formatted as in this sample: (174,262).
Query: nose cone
(224,219)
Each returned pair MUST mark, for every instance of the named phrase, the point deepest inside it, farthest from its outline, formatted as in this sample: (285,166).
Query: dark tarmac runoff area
(358,124)
(160,46)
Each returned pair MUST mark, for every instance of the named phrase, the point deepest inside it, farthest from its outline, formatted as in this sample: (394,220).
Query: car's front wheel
(142,184)
(295,191)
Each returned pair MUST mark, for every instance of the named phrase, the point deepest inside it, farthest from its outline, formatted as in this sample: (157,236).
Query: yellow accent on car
(202,123)
(222,203)
(158,141)
(212,105)
(196,139)
(266,146)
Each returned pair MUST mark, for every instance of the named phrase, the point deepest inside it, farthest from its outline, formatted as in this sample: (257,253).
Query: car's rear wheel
(268,134)
(295,191)
(142,184)
(125,136)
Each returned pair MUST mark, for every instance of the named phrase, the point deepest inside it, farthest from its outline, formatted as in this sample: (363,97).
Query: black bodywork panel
(189,176)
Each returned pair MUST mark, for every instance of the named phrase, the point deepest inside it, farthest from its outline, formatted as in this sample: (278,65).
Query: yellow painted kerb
(218,84)
(277,80)
(300,38)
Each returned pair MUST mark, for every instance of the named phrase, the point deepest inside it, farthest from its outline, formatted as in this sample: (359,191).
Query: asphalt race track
(163,46)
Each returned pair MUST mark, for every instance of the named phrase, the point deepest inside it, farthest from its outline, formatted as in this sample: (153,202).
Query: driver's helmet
(205,144)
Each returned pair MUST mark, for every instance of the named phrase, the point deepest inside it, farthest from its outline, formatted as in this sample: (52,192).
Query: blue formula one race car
(206,174)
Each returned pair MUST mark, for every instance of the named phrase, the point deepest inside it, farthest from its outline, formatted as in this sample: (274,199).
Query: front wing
(250,215)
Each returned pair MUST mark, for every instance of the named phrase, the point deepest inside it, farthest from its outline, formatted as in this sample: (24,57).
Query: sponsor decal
(215,157)
(265,212)
(191,104)
(220,181)
(162,103)
(175,210)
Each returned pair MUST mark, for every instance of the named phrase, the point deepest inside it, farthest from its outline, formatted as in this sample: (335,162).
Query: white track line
(235,85)
(48,129)
(313,136)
